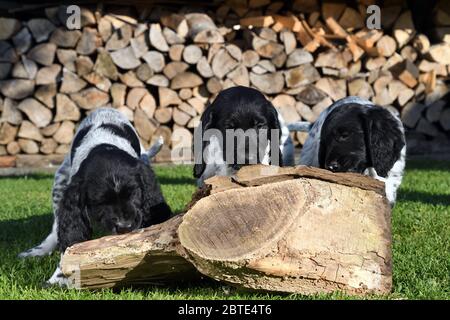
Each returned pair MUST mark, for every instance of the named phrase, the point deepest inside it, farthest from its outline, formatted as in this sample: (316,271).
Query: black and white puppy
(240,110)
(354,135)
(105,183)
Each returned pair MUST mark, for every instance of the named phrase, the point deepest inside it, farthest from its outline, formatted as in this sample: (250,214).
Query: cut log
(168,97)
(407,72)
(125,58)
(269,83)
(120,38)
(28,146)
(131,80)
(335,89)
(180,117)
(351,19)
(176,52)
(301,75)
(404,29)
(40,28)
(261,21)
(310,95)
(66,109)
(185,94)
(158,80)
(48,75)
(163,115)
(26,69)
(68,58)
(214,85)
(148,105)
(176,22)
(290,249)
(91,98)
(192,54)
(7,133)
(157,39)
(360,88)
(71,82)
(50,130)
(7,53)
(65,132)
(43,54)
(298,57)
(174,68)
(139,46)
(84,65)
(440,53)
(10,112)
(144,72)
(185,80)
(104,65)
(48,146)
(134,97)
(13,148)
(8,27)
(240,76)
(89,41)
(22,41)
(99,81)
(36,112)
(28,130)
(155,60)
(223,63)
(118,92)
(386,46)
(144,126)
(305,112)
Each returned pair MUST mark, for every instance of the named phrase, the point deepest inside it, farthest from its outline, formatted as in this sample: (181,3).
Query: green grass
(421,240)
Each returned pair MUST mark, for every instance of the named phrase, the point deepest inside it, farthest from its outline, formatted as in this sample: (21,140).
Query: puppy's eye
(343,136)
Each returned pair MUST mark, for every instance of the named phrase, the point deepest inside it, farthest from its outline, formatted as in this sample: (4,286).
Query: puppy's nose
(333,166)
(123,227)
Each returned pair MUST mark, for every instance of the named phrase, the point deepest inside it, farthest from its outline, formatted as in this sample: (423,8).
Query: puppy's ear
(206,122)
(73,222)
(383,138)
(154,208)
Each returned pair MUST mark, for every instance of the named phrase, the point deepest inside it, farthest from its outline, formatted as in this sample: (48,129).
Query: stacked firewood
(161,65)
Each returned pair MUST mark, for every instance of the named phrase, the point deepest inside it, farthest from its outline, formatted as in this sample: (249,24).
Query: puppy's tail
(153,151)
(303,126)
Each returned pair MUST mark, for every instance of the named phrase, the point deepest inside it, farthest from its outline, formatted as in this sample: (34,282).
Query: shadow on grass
(427,165)
(26,230)
(175,180)
(424,197)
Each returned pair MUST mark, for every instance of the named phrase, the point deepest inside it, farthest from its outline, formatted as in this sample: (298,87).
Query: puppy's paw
(33,252)
(58,279)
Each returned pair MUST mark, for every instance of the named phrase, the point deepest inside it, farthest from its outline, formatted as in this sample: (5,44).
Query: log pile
(161,65)
(317,232)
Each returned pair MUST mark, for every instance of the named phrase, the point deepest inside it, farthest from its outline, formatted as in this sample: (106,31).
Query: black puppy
(240,127)
(104,183)
(354,135)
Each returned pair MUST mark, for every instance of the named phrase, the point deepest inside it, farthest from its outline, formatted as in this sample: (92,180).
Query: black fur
(112,191)
(238,108)
(355,137)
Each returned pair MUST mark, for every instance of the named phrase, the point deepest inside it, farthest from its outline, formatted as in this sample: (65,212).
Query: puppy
(240,127)
(105,183)
(354,135)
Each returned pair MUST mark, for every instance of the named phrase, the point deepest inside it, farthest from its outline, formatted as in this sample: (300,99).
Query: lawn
(421,240)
